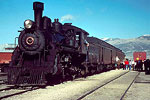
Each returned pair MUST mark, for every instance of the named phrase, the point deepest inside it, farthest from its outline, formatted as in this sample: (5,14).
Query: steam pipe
(38,8)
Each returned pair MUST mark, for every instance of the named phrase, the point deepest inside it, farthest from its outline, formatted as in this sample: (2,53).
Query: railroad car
(105,54)
(5,58)
(139,56)
(49,50)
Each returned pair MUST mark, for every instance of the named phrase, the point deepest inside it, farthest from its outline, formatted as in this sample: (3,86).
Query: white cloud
(104,39)
(146,35)
(67,18)
(89,11)
(102,10)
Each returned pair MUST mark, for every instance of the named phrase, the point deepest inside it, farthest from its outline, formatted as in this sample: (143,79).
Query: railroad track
(3,78)
(13,91)
(95,89)
(129,86)
(3,74)
(2,82)
(8,88)
(9,91)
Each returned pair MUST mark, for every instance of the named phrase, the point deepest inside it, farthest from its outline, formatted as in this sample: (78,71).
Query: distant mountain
(110,39)
(129,46)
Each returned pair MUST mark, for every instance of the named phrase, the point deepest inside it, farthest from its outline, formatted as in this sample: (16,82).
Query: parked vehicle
(139,56)
(5,58)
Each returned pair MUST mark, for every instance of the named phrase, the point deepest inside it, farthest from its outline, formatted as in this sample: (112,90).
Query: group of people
(138,65)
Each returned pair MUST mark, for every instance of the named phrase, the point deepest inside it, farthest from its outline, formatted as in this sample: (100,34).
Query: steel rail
(88,93)
(129,86)
(18,93)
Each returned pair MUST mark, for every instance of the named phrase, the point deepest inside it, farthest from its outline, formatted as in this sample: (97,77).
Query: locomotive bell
(38,8)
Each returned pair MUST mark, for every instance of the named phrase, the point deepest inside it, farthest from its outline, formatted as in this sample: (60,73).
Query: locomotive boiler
(50,50)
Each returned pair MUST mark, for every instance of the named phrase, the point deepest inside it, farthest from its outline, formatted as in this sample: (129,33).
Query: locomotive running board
(26,77)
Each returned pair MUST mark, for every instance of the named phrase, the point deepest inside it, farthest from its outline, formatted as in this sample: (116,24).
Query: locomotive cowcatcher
(50,50)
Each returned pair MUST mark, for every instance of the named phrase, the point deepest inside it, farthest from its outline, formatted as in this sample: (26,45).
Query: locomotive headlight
(28,24)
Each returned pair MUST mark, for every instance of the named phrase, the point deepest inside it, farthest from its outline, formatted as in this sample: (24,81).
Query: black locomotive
(48,50)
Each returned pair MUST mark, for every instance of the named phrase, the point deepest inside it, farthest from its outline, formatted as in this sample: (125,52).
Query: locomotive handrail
(15,40)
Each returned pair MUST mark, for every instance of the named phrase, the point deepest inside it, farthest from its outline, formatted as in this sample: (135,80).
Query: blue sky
(101,18)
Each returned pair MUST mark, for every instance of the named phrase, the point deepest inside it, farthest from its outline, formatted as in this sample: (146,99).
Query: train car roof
(95,40)
(70,26)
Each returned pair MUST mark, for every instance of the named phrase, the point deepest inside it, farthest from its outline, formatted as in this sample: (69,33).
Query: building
(5,57)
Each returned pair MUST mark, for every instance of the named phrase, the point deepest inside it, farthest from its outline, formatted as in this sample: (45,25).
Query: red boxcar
(139,56)
(5,57)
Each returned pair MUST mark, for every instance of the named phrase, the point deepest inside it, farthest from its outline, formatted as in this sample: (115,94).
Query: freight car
(50,50)
(139,56)
(5,58)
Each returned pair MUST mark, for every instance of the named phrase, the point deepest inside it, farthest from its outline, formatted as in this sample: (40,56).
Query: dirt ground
(72,90)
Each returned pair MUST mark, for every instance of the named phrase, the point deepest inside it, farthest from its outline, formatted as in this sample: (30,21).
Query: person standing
(147,66)
(130,63)
(118,63)
(126,64)
(124,67)
(133,65)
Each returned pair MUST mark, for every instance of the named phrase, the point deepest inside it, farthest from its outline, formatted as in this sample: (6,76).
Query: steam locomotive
(49,50)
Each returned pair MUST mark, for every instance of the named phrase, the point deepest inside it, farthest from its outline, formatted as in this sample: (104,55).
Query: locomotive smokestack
(38,9)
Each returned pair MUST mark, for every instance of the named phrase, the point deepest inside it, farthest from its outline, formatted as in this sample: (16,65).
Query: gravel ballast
(70,90)
(140,90)
(113,90)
